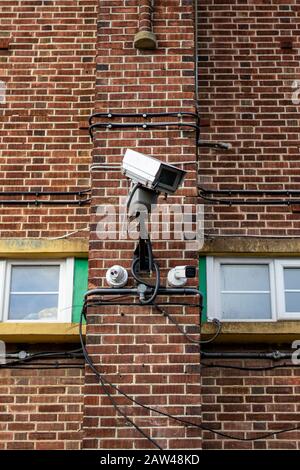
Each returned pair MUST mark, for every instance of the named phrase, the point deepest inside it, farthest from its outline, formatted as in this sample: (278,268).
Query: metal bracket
(141,252)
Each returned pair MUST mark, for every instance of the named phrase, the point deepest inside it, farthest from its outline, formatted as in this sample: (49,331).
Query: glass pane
(34,279)
(33,307)
(246,306)
(292,301)
(292,278)
(245,277)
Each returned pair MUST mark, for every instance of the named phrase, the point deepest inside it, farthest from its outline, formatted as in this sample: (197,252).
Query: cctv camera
(179,275)
(151,173)
(116,276)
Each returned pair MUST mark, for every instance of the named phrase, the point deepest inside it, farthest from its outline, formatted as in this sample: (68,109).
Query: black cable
(143,126)
(143,115)
(45,193)
(150,299)
(49,355)
(181,420)
(203,427)
(108,394)
(132,193)
(48,202)
(274,355)
(187,336)
(250,368)
(116,298)
(158,125)
(71,353)
(152,264)
(249,202)
(45,353)
(134,291)
(105,380)
(251,439)
(146,115)
(150,261)
(139,279)
(187,422)
(41,366)
(252,192)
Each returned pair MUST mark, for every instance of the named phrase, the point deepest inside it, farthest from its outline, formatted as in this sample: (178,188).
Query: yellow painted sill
(42,248)
(255,332)
(40,332)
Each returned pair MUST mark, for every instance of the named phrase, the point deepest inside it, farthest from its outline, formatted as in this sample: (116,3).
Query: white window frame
(214,289)
(280,264)
(65,293)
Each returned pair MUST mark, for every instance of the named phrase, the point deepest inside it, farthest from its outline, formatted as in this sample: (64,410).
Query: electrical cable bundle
(105,383)
(151,299)
(216,322)
(26,362)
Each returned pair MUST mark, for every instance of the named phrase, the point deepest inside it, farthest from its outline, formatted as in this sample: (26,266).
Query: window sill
(43,248)
(40,332)
(255,332)
(232,332)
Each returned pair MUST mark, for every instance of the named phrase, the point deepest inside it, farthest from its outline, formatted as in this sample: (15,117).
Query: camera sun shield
(152,173)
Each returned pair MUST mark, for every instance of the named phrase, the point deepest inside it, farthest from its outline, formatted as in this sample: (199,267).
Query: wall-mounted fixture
(149,178)
(178,276)
(152,173)
(116,276)
(145,38)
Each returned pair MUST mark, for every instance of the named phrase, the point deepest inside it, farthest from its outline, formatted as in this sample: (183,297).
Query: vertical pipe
(145,38)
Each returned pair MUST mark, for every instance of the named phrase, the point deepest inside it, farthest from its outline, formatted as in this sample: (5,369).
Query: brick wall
(48,65)
(47,61)
(248,61)
(41,409)
(250,403)
(136,347)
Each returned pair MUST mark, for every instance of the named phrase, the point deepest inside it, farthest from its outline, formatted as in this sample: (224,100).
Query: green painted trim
(80,286)
(203,285)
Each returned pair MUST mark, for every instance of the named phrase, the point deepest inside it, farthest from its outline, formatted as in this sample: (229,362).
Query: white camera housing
(152,173)
(178,276)
(116,276)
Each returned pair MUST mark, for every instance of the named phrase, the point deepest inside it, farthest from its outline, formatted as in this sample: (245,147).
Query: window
(36,291)
(249,289)
(288,282)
